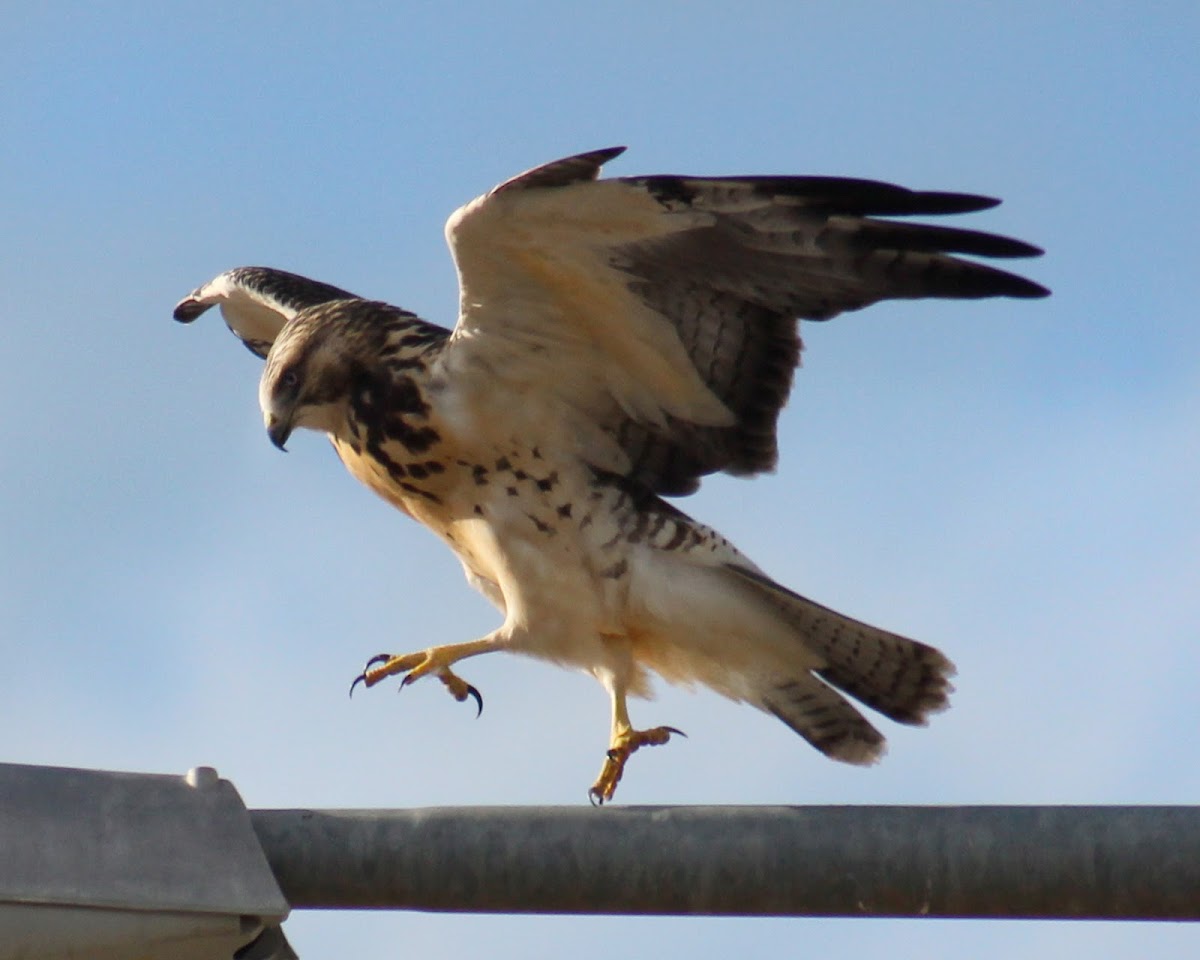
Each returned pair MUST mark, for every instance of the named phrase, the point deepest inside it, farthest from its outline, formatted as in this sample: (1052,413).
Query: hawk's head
(321,358)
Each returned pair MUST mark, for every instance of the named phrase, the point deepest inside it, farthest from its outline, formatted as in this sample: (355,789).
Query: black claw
(673,730)
(472,692)
(594,797)
(408,678)
(362,677)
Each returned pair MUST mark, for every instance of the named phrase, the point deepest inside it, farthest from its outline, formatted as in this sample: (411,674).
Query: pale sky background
(1015,482)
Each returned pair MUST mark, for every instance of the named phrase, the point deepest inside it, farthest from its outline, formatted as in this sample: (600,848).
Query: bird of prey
(618,339)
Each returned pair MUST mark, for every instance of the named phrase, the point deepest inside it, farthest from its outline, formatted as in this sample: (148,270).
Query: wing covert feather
(257,301)
(662,311)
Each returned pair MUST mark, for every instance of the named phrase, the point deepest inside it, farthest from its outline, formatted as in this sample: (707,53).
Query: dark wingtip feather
(1001,246)
(938,201)
(933,238)
(603,155)
(188,309)
(1026,289)
(851,195)
(562,173)
(980,281)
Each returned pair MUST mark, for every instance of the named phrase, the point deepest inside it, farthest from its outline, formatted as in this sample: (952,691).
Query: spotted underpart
(618,340)
(370,378)
(379,380)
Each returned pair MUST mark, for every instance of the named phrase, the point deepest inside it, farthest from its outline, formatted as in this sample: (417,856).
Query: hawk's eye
(290,378)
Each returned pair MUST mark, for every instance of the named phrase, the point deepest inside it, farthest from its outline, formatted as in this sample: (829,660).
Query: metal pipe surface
(1010,862)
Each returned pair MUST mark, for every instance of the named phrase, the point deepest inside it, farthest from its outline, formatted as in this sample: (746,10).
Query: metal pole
(1015,862)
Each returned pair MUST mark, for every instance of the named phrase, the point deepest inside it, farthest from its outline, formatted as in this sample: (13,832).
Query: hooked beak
(279,431)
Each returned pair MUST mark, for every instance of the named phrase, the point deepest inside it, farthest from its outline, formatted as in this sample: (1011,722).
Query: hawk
(619,339)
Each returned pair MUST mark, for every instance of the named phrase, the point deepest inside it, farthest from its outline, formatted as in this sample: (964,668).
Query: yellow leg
(624,743)
(435,660)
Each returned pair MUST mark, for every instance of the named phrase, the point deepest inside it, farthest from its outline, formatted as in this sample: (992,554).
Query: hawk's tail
(901,678)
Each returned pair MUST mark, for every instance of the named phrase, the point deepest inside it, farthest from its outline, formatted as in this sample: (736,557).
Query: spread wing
(257,301)
(661,310)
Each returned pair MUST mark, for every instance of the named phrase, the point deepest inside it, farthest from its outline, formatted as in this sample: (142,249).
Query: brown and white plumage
(618,340)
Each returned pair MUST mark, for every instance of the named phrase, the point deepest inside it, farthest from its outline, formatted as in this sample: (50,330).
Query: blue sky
(1014,482)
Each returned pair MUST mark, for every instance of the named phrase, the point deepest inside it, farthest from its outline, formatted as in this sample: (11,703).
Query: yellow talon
(383,665)
(414,666)
(623,746)
(460,689)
